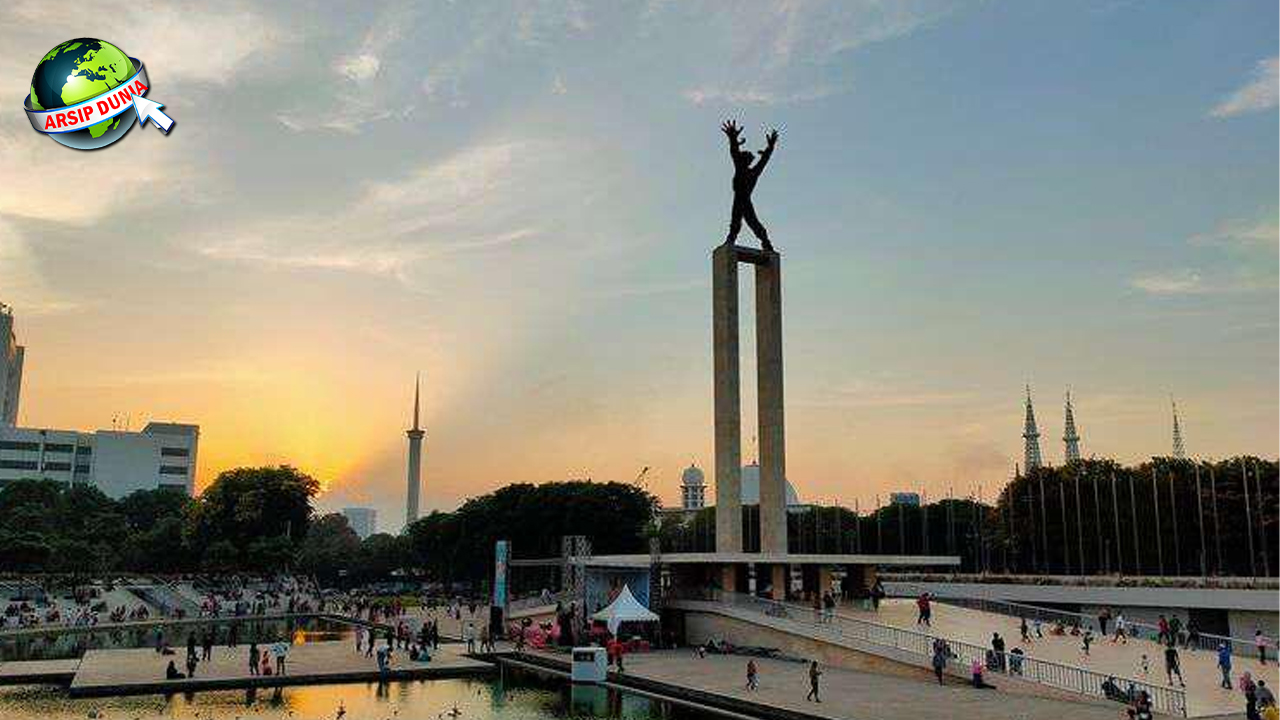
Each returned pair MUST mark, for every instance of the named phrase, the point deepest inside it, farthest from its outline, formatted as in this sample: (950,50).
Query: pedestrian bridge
(1050,666)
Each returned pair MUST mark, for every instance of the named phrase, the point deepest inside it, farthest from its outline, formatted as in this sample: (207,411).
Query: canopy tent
(624,608)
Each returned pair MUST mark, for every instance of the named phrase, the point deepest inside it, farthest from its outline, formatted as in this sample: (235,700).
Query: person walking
(1260,640)
(814,674)
(281,652)
(191,665)
(1265,698)
(1224,664)
(1024,631)
(753,683)
(1172,666)
(1250,691)
(1162,629)
(1122,630)
(997,647)
(940,653)
(1085,641)
(254,658)
(923,610)
(1104,616)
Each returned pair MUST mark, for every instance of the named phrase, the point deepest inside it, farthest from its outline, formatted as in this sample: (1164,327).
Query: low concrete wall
(1152,597)
(702,627)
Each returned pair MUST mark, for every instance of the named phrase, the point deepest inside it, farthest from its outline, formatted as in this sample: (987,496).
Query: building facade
(11,355)
(162,455)
(364,521)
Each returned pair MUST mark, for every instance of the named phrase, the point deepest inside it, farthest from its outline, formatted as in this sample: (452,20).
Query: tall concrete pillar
(773,470)
(728,402)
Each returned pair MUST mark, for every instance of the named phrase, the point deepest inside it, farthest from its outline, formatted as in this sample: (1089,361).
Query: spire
(1179,450)
(416,395)
(1070,438)
(1031,452)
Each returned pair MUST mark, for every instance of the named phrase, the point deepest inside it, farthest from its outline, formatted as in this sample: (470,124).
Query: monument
(414,474)
(728,411)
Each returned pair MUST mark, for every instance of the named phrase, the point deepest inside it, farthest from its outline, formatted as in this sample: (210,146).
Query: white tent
(624,608)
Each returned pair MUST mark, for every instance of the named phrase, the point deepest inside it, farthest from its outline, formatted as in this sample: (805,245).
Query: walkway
(846,694)
(1199,668)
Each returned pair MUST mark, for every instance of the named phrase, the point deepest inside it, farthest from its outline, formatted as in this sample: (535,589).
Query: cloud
(360,94)
(1240,233)
(774,52)
(756,96)
(479,198)
(1176,282)
(179,42)
(22,283)
(1259,94)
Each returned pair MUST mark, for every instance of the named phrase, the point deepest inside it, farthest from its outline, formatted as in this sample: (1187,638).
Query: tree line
(262,519)
(1086,517)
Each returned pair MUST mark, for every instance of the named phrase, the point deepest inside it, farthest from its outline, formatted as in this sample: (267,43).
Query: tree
(615,517)
(330,548)
(380,555)
(246,505)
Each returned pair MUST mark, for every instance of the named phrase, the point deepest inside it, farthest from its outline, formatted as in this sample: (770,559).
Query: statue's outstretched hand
(772,137)
(731,129)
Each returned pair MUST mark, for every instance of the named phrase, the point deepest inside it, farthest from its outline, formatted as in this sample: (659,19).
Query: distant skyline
(520,200)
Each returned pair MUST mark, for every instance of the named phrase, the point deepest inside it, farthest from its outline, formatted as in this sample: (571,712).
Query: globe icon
(77,70)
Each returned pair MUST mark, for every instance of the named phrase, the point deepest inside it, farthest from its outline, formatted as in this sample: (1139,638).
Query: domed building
(693,488)
(751,487)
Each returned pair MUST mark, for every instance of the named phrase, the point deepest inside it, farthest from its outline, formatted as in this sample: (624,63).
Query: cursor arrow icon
(150,109)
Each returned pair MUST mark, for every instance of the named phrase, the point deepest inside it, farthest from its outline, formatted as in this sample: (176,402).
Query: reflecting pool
(516,695)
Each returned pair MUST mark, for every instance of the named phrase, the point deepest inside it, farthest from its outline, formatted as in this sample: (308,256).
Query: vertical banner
(501,554)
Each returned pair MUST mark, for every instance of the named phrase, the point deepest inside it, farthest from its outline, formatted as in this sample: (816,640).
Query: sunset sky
(519,200)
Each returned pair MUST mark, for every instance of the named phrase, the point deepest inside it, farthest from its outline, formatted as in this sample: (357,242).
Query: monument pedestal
(728,398)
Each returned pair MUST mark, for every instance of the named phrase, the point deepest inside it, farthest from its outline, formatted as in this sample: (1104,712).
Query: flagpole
(1079,520)
(1262,520)
(1133,513)
(1204,566)
(1217,528)
(1115,516)
(1155,504)
(1248,520)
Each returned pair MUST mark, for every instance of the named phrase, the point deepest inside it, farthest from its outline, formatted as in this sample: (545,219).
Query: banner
(501,554)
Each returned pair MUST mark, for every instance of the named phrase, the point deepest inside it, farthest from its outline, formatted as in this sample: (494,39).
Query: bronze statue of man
(745,176)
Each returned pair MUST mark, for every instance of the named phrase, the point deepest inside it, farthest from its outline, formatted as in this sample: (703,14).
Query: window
(82,469)
(174,452)
(18,465)
(84,450)
(173,488)
(57,447)
(173,469)
(19,445)
(57,466)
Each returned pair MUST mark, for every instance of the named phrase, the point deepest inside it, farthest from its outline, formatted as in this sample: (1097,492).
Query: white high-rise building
(11,354)
(163,455)
(363,520)
(118,462)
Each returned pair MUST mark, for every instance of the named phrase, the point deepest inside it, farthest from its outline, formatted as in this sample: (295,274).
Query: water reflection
(63,643)
(516,695)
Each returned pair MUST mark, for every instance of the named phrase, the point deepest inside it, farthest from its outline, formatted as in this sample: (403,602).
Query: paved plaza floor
(1199,668)
(853,695)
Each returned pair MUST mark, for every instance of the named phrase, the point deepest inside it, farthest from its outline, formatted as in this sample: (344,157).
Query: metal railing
(960,656)
(1134,628)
